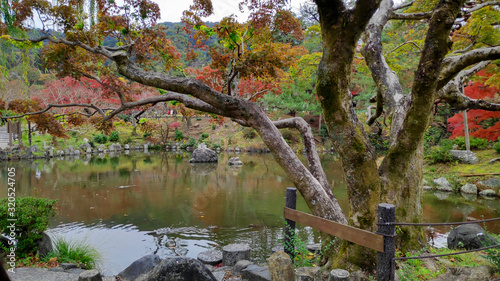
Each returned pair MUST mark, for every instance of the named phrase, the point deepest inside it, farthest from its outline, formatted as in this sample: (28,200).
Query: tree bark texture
(341,29)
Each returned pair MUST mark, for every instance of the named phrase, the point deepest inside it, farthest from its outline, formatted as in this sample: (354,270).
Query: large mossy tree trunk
(341,29)
(398,179)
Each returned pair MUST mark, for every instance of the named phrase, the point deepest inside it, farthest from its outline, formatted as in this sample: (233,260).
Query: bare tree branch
(50,106)
(482,5)
(408,42)
(452,93)
(466,49)
(169,96)
(310,146)
(412,16)
(453,65)
(389,90)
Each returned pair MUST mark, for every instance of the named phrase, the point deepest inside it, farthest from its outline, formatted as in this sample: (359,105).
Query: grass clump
(79,252)
(416,269)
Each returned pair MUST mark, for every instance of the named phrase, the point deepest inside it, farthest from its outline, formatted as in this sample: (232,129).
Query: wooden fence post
(291,202)
(385,260)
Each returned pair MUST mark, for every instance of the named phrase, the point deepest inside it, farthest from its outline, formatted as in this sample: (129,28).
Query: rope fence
(383,240)
(437,224)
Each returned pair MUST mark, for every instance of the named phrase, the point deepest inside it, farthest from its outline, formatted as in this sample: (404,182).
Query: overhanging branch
(453,65)
(50,106)
(309,144)
(452,92)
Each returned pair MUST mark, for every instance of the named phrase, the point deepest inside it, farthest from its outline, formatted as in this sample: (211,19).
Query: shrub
(475,143)
(496,147)
(191,142)
(100,138)
(323,133)
(32,216)
(74,252)
(178,135)
(441,153)
(114,136)
(249,133)
(203,137)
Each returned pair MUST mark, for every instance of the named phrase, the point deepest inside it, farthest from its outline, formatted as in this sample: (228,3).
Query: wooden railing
(383,241)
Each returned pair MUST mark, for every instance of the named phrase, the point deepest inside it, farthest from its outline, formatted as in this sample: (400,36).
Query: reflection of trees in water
(203,169)
(114,162)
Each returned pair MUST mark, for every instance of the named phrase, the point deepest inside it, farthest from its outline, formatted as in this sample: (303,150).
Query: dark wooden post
(385,260)
(291,202)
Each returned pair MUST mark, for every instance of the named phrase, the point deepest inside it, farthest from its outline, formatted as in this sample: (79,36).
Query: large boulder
(469,188)
(464,156)
(139,267)
(44,245)
(488,193)
(442,184)
(179,269)
(469,236)
(203,154)
(34,149)
(490,183)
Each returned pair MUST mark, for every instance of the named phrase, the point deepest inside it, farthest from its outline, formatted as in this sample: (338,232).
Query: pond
(138,204)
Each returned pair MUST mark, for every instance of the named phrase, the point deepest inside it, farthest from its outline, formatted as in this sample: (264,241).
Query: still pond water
(138,204)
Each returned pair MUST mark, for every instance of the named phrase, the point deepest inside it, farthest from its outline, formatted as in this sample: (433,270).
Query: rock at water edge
(443,184)
(204,155)
(281,267)
(179,269)
(140,266)
(211,257)
(44,245)
(469,188)
(235,161)
(469,236)
(233,253)
(90,275)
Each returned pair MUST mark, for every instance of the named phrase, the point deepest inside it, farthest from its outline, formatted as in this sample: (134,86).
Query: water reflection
(131,205)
